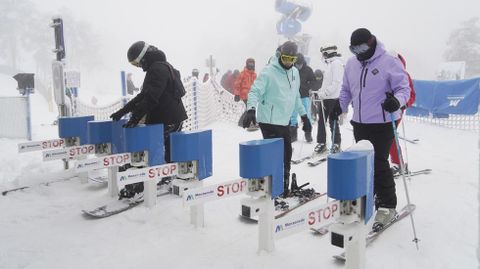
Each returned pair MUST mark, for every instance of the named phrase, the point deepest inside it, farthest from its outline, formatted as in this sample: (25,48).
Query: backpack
(178,89)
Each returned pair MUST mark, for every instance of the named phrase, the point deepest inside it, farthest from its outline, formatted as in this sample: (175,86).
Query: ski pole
(334,129)
(324,119)
(405,147)
(415,239)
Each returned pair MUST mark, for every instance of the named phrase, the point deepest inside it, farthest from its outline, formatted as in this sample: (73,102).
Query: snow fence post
(350,180)
(261,162)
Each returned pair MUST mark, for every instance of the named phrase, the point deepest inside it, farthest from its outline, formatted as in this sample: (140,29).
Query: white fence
(205,103)
(462,122)
(99,112)
(15,118)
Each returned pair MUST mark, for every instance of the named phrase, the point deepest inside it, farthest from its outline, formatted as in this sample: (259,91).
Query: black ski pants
(381,136)
(328,105)
(279,131)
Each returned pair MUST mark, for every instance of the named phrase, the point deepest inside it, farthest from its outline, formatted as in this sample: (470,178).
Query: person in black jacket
(156,101)
(307,78)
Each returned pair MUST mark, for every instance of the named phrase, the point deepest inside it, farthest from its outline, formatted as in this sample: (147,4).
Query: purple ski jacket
(365,84)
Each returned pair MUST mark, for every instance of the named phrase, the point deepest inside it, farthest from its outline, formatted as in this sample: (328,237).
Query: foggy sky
(189,31)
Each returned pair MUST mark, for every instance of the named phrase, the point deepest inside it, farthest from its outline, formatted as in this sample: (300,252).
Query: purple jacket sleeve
(345,94)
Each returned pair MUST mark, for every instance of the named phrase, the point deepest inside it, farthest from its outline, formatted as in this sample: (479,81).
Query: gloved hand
(337,109)
(391,104)
(249,118)
(119,114)
(134,120)
(236,98)
(307,126)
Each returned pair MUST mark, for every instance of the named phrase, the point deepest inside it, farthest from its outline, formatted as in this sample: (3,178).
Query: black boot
(293,133)
(294,185)
(130,190)
(286,183)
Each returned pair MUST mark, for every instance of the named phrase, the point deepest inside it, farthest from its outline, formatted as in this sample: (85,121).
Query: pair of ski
(374,234)
(117,206)
(414,173)
(281,212)
(316,159)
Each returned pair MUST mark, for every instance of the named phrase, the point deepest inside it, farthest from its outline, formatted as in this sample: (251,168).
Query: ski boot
(383,217)
(131,191)
(320,148)
(335,148)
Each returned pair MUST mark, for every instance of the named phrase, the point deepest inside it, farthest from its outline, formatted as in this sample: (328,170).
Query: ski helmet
(250,64)
(136,52)
(289,48)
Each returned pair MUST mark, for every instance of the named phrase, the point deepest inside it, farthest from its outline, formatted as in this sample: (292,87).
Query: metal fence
(15,118)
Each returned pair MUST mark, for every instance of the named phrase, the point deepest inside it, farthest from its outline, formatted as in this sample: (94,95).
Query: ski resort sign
(146,174)
(68,153)
(316,217)
(103,162)
(41,145)
(214,192)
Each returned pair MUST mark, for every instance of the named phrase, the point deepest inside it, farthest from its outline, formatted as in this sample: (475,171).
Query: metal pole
(402,166)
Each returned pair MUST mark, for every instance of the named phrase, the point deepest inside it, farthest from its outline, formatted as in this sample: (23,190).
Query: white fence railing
(462,122)
(15,120)
(205,103)
(208,102)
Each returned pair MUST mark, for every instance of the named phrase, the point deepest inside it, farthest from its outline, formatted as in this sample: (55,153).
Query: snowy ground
(42,227)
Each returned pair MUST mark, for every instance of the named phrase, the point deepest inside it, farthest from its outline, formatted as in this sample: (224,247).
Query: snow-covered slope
(42,227)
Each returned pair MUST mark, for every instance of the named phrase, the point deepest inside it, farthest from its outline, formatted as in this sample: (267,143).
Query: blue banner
(441,98)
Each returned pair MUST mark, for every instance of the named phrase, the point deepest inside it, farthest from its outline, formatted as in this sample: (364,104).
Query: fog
(189,31)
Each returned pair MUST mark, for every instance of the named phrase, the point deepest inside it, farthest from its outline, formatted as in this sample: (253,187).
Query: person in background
(195,73)
(328,99)
(206,77)
(244,81)
(130,86)
(273,97)
(231,82)
(307,77)
(376,84)
(225,79)
(157,101)
(396,168)
(316,85)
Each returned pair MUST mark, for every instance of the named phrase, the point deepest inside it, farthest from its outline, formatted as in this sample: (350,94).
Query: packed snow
(43,227)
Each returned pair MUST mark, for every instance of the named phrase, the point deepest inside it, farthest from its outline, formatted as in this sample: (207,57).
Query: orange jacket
(243,83)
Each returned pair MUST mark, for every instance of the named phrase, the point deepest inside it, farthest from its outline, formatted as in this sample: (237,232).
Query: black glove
(249,118)
(391,104)
(236,98)
(119,114)
(134,120)
(307,126)
(337,109)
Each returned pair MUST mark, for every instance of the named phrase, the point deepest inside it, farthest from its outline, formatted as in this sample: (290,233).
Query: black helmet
(318,73)
(250,64)
(289,48)
(300,59)
(136,52)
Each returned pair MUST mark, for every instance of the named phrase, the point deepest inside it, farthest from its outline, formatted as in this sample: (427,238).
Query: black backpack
(178,89)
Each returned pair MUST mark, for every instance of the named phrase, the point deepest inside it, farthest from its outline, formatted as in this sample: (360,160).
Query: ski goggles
(288,59)
(359,49)
(135,63)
